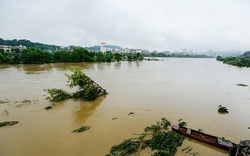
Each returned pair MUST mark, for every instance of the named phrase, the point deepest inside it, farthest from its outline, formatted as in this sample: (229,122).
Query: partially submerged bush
(242,85)
(182,123)
(163,143)
(166,142)
(57,95)
(222,109)
(4,101)
(87,89)
(8,123)
(126,148)
(163,124)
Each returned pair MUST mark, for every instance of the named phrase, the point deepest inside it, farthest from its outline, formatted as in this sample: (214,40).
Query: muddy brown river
(175,88)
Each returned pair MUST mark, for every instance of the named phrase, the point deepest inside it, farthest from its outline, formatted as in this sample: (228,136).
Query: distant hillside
(29,44)
(98,48)
(224,53)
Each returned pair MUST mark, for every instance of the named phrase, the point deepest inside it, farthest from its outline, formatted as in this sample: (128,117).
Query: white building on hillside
(103,47)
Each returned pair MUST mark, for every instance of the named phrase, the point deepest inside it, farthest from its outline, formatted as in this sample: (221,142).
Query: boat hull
(206,138)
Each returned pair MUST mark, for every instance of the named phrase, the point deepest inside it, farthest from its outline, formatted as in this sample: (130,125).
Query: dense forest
(240,61)
(29,44)
(38,56)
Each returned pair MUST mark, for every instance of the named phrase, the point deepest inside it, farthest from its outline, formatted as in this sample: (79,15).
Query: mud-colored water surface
(188,89)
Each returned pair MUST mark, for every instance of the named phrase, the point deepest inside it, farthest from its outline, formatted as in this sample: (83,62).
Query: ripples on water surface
(188,89)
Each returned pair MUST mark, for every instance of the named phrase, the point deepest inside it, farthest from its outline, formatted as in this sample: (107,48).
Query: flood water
(175,88)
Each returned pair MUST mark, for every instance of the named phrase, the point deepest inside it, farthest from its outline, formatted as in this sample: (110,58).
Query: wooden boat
(241,149)
(206,138)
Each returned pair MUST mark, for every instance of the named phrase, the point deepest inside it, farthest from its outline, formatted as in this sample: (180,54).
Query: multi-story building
(8,48)
(72,47)
(103,47)
(126,50)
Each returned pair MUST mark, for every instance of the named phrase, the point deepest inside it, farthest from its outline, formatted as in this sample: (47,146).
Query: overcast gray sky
(196,25)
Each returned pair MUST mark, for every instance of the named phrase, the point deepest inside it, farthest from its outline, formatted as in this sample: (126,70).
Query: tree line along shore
(239,61)
(38,56)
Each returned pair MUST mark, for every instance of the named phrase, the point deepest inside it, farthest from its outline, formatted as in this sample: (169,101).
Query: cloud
(155,25)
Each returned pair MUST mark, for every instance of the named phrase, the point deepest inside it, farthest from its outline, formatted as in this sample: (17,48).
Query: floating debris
(25,102)
(8,123)
(81,129)
(182,123)
(242,85)
(6,112)
(200,130)
(114,118)
(130,113)
(4,101)
(195,154)
(187,149)
(222,110)
(48,107)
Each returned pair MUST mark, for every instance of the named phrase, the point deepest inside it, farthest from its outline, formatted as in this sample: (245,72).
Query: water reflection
(86,109)
(66,66)
(100,66)
(117,65)
(137,63)
(6,66)
(36,69)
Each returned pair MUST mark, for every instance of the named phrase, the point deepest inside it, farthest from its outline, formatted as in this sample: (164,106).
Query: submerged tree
(87,89)
(162,142)
(222,110)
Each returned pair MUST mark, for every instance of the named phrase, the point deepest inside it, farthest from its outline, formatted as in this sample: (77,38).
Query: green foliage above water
(162,142)
(182,123)
(57,95)
(166,142)
(163,124)
(87,89)
(240,61)
(222,110)
(127,147)
(242,85)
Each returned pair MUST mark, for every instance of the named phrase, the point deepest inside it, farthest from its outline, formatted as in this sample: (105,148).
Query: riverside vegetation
(38,56)
(240,61)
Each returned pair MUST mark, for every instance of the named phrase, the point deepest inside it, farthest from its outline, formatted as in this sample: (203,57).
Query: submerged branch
(87,89)
(8,123)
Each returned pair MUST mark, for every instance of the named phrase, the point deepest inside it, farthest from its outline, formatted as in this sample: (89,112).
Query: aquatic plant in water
(242,85)
(57,95)
(182,123)
(8,123)
(162,142)
(166,142)
(81,129)
(163,124)
(127,147)
(222,110)
(87,89)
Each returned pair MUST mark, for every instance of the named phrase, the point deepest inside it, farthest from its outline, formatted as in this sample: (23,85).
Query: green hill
(29,44)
